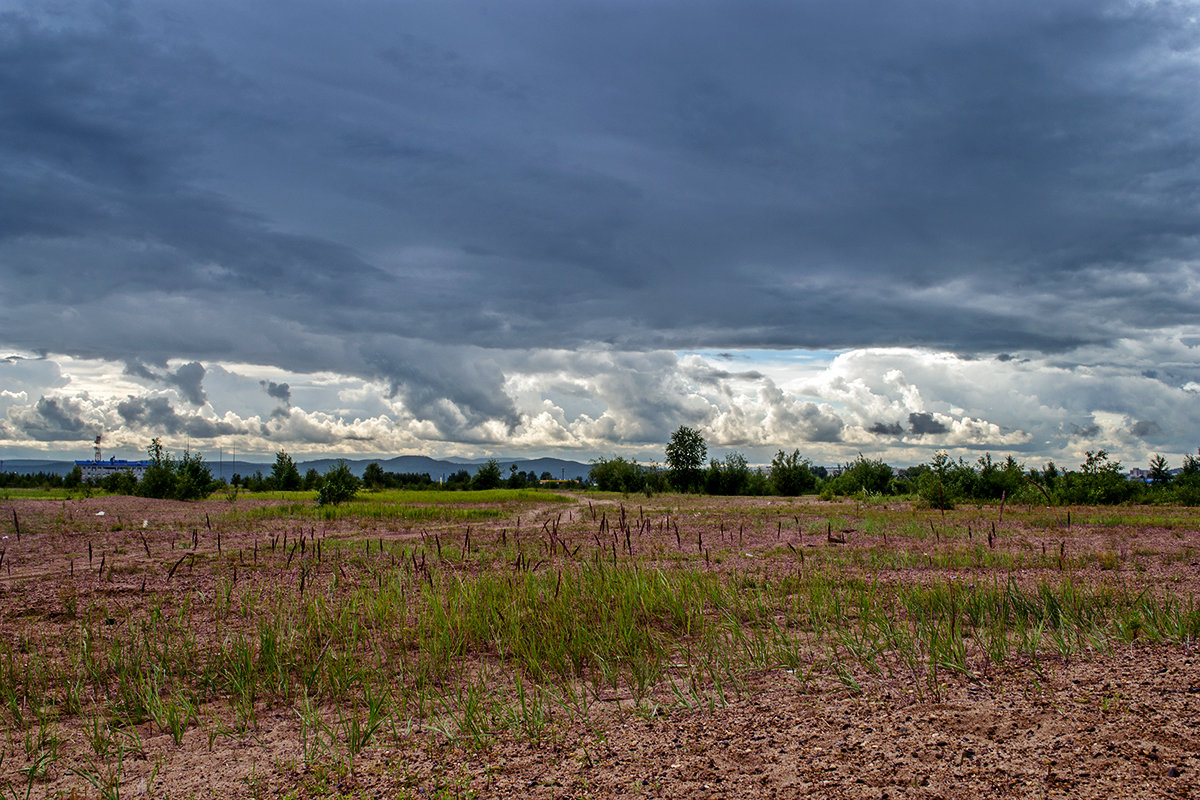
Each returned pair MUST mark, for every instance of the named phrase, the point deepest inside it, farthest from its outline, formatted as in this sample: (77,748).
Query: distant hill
(32,466)
(436,468)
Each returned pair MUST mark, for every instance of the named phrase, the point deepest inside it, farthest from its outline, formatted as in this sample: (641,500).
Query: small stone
(1173,772)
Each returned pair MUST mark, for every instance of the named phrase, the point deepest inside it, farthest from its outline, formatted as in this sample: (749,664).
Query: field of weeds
(532,644)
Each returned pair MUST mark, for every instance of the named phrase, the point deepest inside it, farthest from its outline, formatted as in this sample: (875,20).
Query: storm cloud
(156,414)
(52,419)
(923,423)
(280,391)
(448,194)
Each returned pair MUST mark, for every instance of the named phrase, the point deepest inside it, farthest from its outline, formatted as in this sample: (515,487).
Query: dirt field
(773,648)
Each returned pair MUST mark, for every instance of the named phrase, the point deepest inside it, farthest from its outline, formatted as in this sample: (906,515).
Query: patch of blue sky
(753,356)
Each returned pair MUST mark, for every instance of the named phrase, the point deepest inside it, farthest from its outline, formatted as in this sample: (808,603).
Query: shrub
(792,475)
(862,475)
(488,476)
(728,477)
(189,478)
(618,475)
(338,486)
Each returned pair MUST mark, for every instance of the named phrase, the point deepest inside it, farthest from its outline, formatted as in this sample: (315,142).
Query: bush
(617,475)
(190,478)
(792,475)
(862,475)
(728,477)
(122,482)
(934,484)
(338,486)
(1099,481)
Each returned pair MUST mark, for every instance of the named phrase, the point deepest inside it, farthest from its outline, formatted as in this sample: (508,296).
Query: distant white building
(99,470)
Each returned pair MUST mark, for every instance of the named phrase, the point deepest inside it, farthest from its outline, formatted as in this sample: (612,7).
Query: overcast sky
(567,228)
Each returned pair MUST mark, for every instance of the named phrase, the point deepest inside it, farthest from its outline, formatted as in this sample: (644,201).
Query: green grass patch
(409,506)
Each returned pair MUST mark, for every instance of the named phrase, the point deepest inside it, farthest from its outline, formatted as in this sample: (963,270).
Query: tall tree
(488,476)
(1160,473)
(373,476)
(686,453)
(284,473)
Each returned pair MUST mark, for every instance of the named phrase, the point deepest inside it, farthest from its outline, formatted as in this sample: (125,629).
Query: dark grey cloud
(280,391)
(705,374)
(922,423)
(157,416)
(1145,428)
(188,379)
(819,425)
(445,178)
(140,370)
(457,390)
(52,419)
(886,429)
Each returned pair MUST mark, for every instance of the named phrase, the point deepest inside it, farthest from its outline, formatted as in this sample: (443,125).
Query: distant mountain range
(436,468)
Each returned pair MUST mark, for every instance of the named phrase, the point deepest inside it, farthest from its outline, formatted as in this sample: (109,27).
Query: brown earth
(1124,723)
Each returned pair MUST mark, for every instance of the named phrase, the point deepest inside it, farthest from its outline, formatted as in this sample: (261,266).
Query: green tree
(872,476)
(617,475)
(189,478)
(312,480)
(1160,473)
(791,475)
(285,474)
(73,478)
(488,476)
(374,476)
(193,477)
(1099,481)
(159,478)
(516,478)
(686,453)
(338,486)
(1185,487)
(934,485)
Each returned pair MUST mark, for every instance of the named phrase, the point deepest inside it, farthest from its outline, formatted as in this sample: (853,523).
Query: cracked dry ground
(1124,722)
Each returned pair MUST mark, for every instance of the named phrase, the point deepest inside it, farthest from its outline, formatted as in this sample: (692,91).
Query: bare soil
(1120,724)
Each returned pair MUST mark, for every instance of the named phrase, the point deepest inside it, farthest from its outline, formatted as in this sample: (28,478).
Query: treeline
(40,480)
(488,476)
(185,478)
(285,476)
(940,483)
(190,477)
